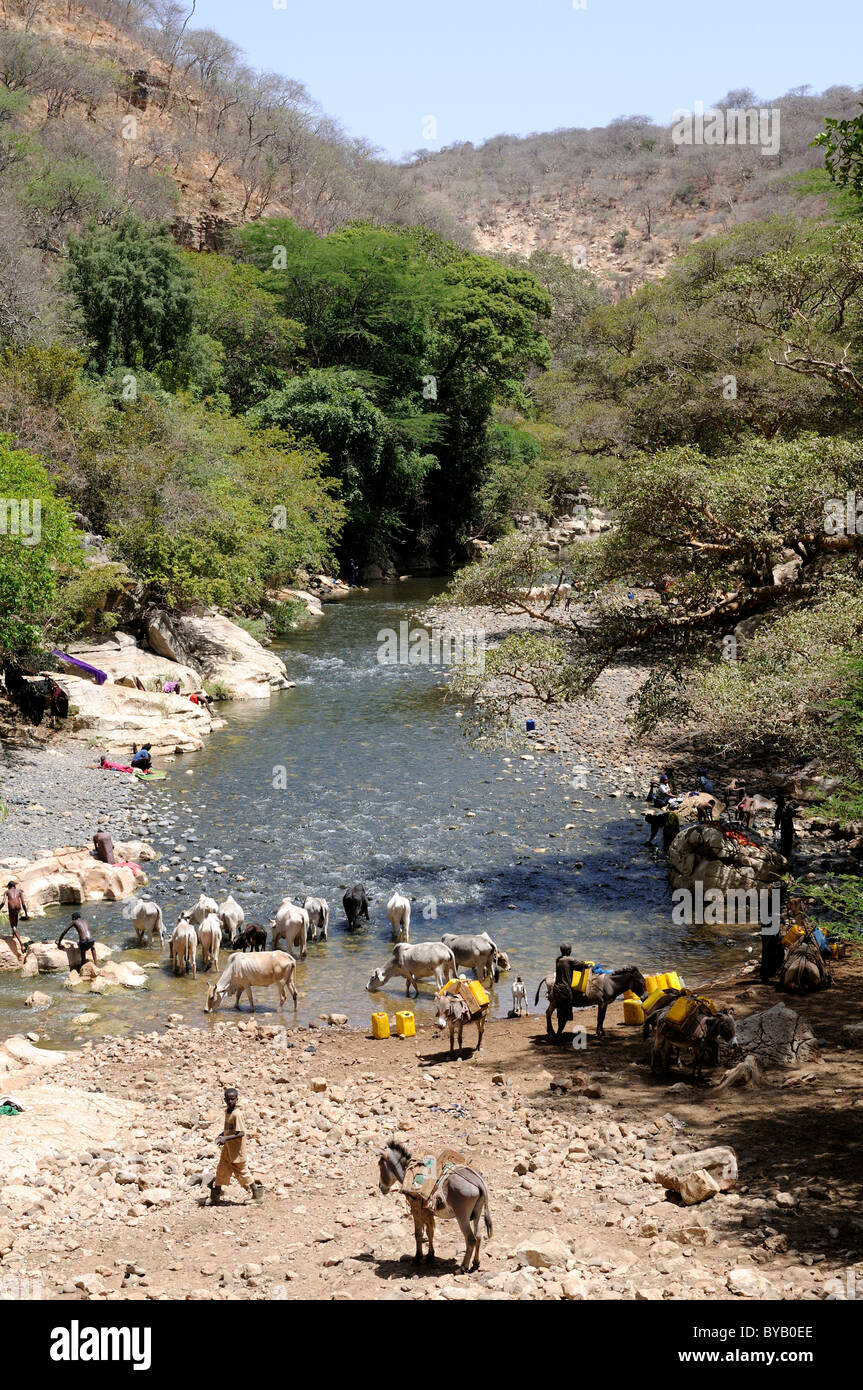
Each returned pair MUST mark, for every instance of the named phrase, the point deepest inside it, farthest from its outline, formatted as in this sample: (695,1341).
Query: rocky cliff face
(621,200)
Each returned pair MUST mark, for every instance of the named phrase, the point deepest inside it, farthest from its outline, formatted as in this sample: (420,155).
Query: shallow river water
(360,772)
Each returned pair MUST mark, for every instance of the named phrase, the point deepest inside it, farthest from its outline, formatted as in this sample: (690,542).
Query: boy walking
(232,1160)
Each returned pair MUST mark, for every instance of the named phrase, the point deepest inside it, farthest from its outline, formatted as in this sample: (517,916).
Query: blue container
(530,725)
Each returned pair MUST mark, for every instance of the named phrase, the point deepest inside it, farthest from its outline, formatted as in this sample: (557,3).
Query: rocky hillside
(624,199)
(143,94)
(155,95)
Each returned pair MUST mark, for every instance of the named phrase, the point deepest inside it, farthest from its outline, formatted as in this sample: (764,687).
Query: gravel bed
(53,798)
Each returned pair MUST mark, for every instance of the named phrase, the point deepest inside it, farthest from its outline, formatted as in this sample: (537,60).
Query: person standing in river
(232,1159)
(13,901)
(85,937)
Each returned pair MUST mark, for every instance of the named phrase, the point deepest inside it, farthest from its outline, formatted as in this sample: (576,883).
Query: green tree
(37,540)
(737,340)
(203,507)
(258,345)
(437,337)
(135,295)
(513,481)
(373,455)
(488,337)
(842,140)
(364,296)
(575,295)
(701,543)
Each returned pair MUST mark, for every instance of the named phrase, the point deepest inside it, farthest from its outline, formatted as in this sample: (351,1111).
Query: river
(360,772)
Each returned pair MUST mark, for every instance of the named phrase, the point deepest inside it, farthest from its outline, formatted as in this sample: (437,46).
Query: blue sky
(480,67)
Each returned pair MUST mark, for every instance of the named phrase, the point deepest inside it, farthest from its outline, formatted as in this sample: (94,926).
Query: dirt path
(119,1212)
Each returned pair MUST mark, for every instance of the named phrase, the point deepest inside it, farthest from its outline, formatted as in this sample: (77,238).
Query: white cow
(210,940)
(478,953)
(146,918)
(399,915)
(231,916)
(259,969)
(204,905)
(184,947)
(291,924)
(416,963)
(319,916)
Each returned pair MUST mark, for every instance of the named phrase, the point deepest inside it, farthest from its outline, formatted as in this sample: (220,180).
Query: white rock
(697,1187)
(225,653)
(748,1283)
(719,1162)
(544,1250)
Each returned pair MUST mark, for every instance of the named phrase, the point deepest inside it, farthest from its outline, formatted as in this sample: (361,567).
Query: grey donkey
(462,1194)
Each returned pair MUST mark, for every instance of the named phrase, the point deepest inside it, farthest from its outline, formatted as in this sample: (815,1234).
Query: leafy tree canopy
(38,540)
(134,292)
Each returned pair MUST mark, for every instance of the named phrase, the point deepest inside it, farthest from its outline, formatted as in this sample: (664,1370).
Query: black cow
(251,937)
(356,904)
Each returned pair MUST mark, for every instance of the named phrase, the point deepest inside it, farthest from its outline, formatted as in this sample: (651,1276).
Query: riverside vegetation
(236,347)
(206,426)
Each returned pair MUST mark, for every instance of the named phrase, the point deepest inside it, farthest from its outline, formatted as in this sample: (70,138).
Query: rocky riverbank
(54,794)
(598,754)
(104,1170)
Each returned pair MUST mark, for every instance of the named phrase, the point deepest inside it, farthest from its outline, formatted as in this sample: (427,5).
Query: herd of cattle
(209,925)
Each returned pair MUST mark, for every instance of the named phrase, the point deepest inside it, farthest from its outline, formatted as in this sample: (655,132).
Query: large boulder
(126,973)
(779,1037)
(51,958)
(38,1000)
(72,876)
(700,1175)
(707,855)
(225,653)
(328,590)
(121,718)
(121,657)
(11,954)
(808,784)
(544,1250)
(310,601)
(18,1052)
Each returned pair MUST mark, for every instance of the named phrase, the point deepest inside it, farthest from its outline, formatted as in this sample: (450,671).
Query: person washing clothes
(142,759)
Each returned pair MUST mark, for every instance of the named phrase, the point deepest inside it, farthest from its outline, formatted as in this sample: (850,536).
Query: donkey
(804,968)
(702,1041)
(462,1194)
(453,1011)
(602,991)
